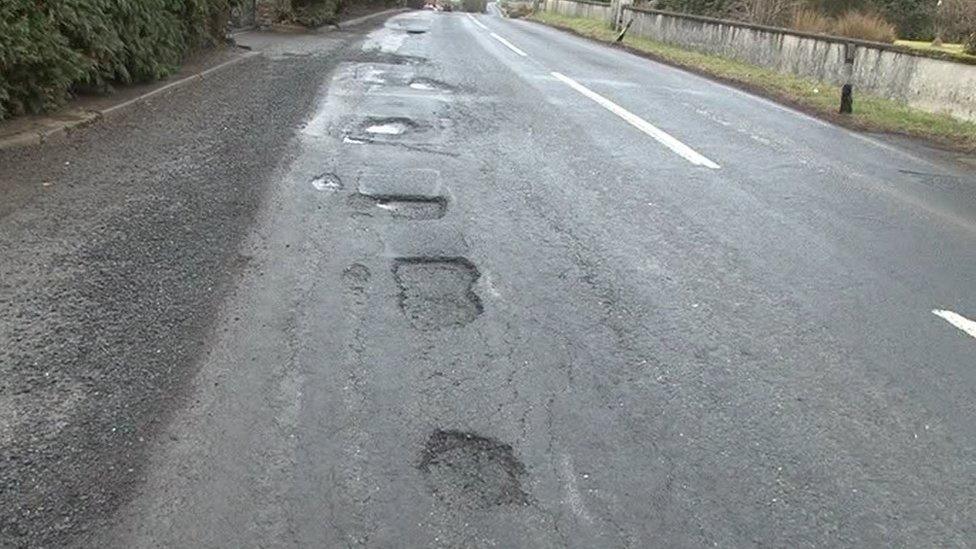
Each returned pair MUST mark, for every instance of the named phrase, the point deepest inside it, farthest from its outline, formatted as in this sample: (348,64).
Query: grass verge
(956,51)
(871,113)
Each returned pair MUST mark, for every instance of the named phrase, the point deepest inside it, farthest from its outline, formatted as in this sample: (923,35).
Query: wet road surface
(460,281)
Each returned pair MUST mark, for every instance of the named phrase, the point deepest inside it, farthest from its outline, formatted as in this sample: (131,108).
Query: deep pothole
(411,207)
(469,470)
(396,125)
(327,182)
(437,292)
(429,84)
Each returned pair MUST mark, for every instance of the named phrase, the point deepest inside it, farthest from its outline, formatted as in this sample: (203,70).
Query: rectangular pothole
(410,207)
(437,292)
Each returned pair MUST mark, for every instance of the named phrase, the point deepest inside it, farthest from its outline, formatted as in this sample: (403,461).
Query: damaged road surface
(452,280)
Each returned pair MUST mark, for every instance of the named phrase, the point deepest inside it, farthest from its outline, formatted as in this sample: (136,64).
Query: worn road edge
(43,136)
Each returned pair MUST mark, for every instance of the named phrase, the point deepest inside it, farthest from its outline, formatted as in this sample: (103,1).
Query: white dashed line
(510,45)
(476,22)
(658,134)
(957,320)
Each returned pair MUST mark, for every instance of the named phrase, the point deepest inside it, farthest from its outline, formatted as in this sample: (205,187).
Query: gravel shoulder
(118,245)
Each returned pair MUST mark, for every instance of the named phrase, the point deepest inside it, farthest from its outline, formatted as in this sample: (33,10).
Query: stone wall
(580,8)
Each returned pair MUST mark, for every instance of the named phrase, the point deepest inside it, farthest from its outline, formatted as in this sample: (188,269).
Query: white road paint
(509,45)
(957,320)
(658,134)
(476,22)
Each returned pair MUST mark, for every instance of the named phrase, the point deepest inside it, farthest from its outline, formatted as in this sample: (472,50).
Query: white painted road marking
(957,320)
(476,22)
(510,45)
(659,135)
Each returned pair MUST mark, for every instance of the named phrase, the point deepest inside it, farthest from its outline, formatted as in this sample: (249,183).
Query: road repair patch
(437,292)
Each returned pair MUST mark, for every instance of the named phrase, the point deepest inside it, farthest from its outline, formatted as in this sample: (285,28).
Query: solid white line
(476,22)
(957,320)
(659,135)
(510,45)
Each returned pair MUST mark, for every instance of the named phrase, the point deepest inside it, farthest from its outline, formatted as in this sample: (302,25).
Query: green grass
(870,112)
(954,50)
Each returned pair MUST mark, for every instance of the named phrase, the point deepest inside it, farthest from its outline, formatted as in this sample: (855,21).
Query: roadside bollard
(847,91)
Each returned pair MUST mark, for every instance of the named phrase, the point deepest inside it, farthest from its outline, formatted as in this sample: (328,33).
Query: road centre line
(957,320)
(658,134)
(476,22)
(510,45)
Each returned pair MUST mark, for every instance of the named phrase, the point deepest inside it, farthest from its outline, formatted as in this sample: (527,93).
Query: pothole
(388,126)
(356,276)
(469,470)
(428,84)
(416,31)
(387,58)
(400,206)
(437,292)
(327,182)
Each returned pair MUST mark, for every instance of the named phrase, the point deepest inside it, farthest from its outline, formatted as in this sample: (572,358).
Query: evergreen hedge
(50,49)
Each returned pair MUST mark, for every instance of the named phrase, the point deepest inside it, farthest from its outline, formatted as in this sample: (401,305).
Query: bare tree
(766,12)
(955,19)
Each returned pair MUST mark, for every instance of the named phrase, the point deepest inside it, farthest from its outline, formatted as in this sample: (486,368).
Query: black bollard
(847,99)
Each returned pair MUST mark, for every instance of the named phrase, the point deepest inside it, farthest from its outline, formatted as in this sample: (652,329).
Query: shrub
(970,44)
(517,11)
(50,49)
(765,12)
(315,13)
(864,26)
(956,19)
(37,64)
(914,19)
(810,21)
(713,8)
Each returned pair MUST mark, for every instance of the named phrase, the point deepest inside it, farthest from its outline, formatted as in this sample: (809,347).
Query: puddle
(428,84)
(327,182)
(388,126)
(392,128)
(469,470)
(437,292)
(401,206)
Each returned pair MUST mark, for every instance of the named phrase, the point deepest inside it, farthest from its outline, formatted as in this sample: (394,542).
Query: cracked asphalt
(461,281)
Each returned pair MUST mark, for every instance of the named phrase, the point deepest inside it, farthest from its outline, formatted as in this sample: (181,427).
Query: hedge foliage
(50,49)
(315,13)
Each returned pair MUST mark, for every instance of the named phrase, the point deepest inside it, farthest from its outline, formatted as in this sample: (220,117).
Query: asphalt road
(462,281)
